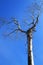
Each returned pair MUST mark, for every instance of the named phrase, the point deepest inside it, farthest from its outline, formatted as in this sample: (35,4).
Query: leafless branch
(15,31)
(34,20)
(34,25)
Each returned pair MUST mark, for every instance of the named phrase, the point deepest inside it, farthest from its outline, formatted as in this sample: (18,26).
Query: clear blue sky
(13,51)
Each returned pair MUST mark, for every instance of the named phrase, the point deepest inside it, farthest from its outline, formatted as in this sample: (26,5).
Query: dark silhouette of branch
(15,31)
(34,24)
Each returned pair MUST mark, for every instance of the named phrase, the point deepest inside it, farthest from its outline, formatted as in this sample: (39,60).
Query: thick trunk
(30,52)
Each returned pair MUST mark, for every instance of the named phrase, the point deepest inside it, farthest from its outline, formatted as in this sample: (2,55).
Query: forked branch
(34,24)
(18,27)
(15,31)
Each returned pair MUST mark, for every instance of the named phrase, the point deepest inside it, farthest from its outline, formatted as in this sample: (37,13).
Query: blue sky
(13,51)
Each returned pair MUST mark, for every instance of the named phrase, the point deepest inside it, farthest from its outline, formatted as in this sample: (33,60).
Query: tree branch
(34,25)
(15,31)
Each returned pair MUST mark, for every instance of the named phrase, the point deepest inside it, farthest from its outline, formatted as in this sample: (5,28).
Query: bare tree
(35,13)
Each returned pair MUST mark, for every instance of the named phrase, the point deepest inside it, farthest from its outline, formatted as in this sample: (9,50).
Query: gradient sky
(12,50)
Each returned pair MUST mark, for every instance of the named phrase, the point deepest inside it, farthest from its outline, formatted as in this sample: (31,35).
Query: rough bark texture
(30,53)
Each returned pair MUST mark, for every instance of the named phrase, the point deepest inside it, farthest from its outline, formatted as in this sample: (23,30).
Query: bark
(30,52)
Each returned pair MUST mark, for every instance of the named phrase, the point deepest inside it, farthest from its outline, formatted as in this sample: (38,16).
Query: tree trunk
(30,52)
